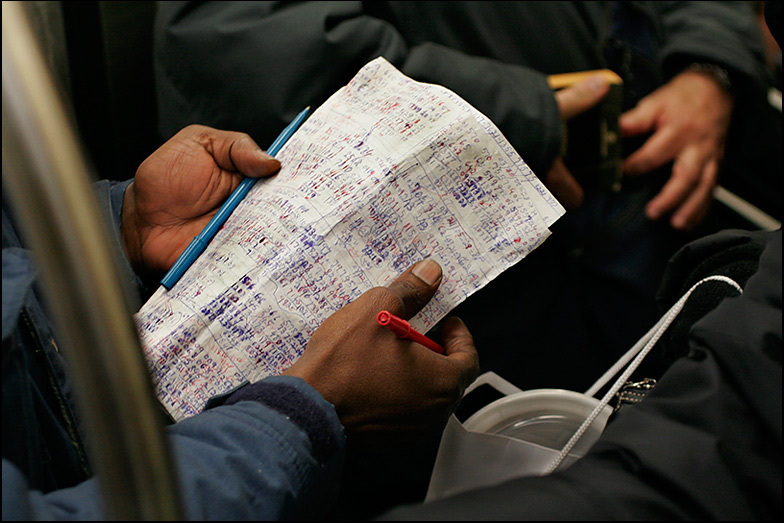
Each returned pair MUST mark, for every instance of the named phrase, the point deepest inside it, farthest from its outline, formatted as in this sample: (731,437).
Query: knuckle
(407,287)
(197,130)
(383,298)
(193,128)
(411,295)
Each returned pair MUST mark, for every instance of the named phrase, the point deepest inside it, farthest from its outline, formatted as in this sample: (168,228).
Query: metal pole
(48,179)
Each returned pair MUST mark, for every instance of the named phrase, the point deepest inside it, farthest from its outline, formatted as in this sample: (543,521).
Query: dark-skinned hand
(378,382)
(180,187)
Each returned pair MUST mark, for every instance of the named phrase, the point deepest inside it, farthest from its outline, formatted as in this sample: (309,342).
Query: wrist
(129,229)
(717,73)
(303,406)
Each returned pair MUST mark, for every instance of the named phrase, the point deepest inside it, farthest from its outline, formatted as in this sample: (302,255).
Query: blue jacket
(272,450)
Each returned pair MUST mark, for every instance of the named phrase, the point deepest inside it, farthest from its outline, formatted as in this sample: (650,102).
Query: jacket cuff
(110,195)
(302,405)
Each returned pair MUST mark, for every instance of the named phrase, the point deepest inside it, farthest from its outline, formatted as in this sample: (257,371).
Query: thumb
(238,152)
(581,96)
(250,160)
(415,287)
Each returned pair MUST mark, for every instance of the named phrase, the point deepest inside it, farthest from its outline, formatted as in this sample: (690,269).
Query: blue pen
(200,242)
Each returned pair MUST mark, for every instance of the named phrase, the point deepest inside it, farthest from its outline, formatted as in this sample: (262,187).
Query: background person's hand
(689,117)
(378,382)
(180,187)
(572,101)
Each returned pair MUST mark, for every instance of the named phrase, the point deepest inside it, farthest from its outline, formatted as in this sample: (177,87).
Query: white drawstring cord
(648,341)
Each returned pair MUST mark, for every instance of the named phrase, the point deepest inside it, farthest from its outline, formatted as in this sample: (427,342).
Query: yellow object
(559,81)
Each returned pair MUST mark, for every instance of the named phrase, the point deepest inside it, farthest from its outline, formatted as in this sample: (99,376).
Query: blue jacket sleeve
(110,196)
(246,460)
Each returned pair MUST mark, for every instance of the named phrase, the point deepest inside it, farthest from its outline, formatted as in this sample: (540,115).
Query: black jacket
(706,443)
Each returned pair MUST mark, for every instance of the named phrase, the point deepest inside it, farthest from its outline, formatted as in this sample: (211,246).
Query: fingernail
(596,83)
(428,271)
(265,155)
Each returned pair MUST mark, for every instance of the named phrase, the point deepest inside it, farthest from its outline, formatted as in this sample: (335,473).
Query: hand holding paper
(179,188)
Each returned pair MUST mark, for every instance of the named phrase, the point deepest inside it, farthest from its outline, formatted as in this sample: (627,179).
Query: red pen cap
(399,326)
(402,329)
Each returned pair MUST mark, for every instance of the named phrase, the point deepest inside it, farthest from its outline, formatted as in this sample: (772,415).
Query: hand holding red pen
(403,329)
(379,382)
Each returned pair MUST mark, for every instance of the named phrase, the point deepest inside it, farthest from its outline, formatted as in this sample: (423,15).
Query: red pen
(402,329)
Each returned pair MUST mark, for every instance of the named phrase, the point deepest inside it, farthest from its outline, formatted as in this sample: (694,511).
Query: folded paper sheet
(387,172)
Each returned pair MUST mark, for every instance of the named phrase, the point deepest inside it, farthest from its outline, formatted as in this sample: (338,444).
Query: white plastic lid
(546,417)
